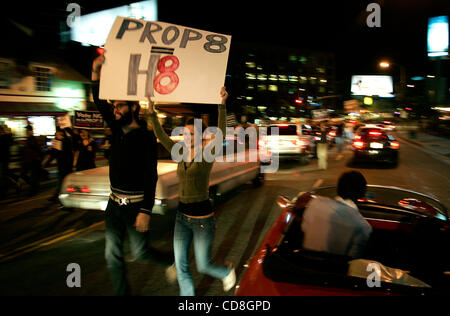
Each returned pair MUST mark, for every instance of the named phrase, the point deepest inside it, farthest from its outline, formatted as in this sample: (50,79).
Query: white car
(90,189)
(289,143)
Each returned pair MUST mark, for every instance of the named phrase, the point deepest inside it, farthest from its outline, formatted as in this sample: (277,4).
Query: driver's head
(125,111)
(352,185)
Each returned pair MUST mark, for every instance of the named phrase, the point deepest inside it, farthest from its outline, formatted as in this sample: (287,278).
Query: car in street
(374,144)
(288,143)
(384,125)
(408,244)
(90,189)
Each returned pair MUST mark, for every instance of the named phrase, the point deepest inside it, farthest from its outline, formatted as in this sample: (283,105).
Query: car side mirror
(283,201)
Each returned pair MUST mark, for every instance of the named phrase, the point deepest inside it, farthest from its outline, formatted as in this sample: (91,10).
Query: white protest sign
(63,121)
(169,63)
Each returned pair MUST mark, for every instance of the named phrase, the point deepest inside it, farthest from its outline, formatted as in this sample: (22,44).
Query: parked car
(90,189)
(374,144)
(289,143)
(411,233)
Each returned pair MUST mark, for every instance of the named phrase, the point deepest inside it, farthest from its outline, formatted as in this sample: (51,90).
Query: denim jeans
(120,220)
(201,233)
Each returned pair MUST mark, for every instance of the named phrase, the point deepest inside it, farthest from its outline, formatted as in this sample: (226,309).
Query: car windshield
(396,197)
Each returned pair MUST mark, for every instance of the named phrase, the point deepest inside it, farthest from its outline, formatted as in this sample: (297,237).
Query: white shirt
(335,226)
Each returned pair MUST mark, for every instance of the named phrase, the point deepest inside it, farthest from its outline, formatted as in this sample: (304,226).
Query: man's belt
(126,200)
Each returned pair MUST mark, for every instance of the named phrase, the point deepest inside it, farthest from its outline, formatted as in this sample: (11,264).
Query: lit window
(42,77)
(250,87)
(273,87)
(321,70)
(262,87)
(293,78)
(283,78)
(250,76)
(303,79)
(273,77)
(262,77)
(250,64)
(293,58)
(303,59)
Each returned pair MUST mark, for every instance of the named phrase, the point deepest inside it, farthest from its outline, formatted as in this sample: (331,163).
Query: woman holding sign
(195,217)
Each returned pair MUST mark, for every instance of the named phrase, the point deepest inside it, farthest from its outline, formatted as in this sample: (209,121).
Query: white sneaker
(171,274)
(230,280)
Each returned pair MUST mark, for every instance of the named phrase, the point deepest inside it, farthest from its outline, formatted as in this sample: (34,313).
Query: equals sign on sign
(162,50)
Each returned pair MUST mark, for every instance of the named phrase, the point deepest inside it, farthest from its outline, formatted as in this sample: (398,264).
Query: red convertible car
(410,241)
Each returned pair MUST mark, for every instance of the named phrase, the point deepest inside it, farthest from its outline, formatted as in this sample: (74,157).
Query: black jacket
(133,160)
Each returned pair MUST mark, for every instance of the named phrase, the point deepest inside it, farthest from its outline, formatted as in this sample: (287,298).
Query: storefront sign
(166,62)
(88,120)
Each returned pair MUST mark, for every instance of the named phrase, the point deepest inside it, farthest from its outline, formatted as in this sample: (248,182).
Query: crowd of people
(73,150)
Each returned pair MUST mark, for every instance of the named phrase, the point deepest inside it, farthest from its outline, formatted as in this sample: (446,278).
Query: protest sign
(167,62)
(88,120)
(63,121)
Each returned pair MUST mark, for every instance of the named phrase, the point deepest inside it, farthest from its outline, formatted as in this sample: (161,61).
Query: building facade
(279,83)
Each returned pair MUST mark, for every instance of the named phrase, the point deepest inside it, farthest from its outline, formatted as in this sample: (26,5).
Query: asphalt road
(39,241)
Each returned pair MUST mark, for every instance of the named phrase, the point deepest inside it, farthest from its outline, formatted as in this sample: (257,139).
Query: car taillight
(85,189)
(332,133)
(395,145)
(374,133)
(357,137)
(358,145)
(71,189)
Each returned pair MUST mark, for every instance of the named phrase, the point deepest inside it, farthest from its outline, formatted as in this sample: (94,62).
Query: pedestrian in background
(322,147)
(195,220)
(86,152)
(6,142)
(339,138)
(61,150)
(32,160)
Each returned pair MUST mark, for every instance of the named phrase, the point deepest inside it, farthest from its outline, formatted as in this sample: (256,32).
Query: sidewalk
(429,143)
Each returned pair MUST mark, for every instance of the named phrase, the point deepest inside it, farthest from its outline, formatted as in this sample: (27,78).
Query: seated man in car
(336,226)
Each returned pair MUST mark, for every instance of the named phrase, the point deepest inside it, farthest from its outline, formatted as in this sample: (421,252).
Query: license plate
(373,152)
(376,145)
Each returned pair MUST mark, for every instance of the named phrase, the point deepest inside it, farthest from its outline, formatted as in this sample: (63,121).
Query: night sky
(336,26)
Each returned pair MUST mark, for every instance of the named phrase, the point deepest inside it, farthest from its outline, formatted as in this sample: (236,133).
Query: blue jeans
(119,220)
(201,232)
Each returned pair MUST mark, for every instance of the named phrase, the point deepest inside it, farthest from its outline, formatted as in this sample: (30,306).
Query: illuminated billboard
(368,85)
(438,36)
(93,28)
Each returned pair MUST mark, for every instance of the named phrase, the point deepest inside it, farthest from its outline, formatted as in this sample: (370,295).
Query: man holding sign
(133,176)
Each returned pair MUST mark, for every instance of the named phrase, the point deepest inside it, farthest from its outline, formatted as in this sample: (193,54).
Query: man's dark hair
(352,185)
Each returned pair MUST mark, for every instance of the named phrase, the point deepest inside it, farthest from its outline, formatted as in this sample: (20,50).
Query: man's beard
(125,119)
